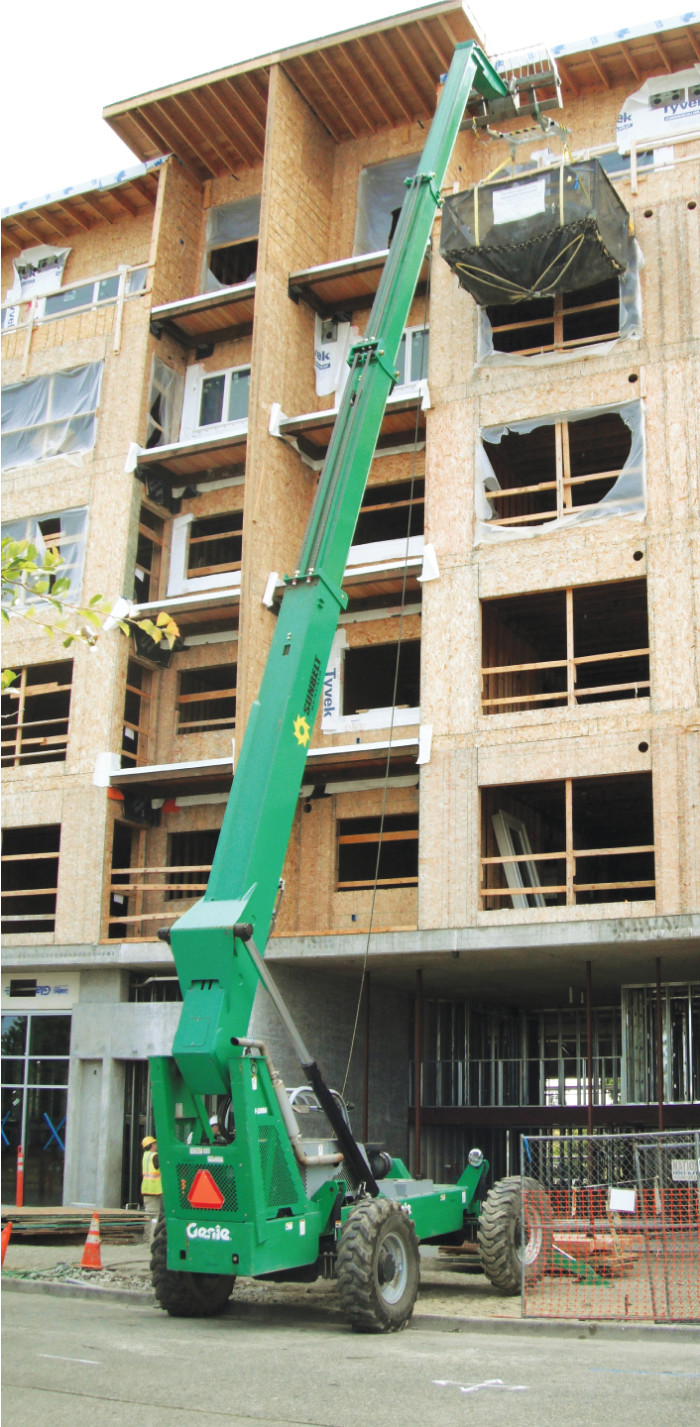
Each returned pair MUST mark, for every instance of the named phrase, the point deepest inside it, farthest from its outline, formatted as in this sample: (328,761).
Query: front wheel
(515,1233)
(186,1295)
(378,1267)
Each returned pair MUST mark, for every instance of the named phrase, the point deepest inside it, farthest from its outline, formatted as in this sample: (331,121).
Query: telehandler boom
(254,1196)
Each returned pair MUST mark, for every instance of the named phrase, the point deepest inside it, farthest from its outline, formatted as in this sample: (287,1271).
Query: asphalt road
(68,1361)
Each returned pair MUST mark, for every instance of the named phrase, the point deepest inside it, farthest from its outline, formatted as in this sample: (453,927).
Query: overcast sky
(72,58)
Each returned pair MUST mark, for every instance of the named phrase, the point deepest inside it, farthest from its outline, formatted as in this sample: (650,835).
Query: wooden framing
(27,737)
(217,703)
(549,317)
(376,836)
(513,686)
(496,883)
(522,500)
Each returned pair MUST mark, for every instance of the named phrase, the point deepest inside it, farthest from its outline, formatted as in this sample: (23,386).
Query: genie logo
(208,1231)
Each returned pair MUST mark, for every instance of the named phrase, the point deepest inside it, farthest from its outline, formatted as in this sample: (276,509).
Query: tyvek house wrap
(627,496)
(547,231)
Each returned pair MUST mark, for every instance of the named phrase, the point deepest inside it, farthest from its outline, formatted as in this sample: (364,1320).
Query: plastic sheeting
(666,106)
(228,224)
(37,271)
(381,191)
(332,342)
(71,535)
(550,230)
(53,415)
(626,497)
(164,405)
(630,327)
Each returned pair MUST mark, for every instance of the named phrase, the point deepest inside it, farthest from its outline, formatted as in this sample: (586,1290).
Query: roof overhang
(359,82)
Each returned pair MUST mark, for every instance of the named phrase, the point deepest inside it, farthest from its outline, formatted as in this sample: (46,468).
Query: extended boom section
(252,1199)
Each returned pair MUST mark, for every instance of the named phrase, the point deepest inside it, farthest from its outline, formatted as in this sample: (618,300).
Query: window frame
(332,719)
(195,378)
(49,423)
(29,528)
(368,836)
(18,751)
(179,581)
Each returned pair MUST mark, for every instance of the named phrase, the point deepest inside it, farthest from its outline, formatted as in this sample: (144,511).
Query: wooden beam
(90,202)
(388,118)
(419,61)
(625,52)
(346,91)
(565,76)
(441,55)
(200,125)
(693,43)
(382,78)
(308,94)
(74,217)
(662,55)
(162,144)
(396,62)
(249,148)
(253,117)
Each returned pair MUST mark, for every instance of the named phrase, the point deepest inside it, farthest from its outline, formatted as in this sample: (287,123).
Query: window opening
(224,397)
(381,190)
(368,677)
(54,415)
(412,358)
(190,855)
(30,878)
(563,648)
(63,532)
(534,473)
(591,840)
(149,555)
(121,896)
(35,1063)
(207,699)
(137,711)
(148,987)
(357,852)
(35,713)
(215,544)
(549,324)
(391,512)
(234,263)
(164,405)
(231,243)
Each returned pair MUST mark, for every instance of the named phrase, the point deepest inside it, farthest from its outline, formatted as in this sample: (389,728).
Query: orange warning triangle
(205,1194)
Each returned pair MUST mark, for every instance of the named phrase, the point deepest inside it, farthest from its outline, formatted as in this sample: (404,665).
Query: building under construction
(490,918)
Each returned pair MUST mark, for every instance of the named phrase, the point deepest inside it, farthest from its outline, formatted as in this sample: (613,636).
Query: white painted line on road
(477,1386)
(56,1357)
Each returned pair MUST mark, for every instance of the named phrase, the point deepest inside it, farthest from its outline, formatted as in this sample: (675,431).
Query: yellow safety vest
(151,1182)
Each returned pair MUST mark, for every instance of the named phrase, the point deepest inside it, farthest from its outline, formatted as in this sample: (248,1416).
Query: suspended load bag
(551,230)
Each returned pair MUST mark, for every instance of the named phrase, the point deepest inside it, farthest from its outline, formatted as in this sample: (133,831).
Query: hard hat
(213,1120)
(148,1140)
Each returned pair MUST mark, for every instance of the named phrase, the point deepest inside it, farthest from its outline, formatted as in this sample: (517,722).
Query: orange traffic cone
(91,1252)
(4,1240)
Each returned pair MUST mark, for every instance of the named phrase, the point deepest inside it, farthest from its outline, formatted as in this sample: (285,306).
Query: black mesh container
(546,231)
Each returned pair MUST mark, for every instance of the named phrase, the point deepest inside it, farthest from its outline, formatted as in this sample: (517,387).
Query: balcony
(208,318)
(185,462)
(345,286)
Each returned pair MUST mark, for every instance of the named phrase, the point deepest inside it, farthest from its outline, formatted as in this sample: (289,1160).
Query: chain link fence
(611,1227)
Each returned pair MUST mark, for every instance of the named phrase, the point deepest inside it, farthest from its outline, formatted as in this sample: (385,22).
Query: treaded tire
(378,1267)
(504,1255)
(186,1295)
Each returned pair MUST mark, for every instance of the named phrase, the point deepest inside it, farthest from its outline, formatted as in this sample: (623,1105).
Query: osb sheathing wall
(471,751)
(64,793)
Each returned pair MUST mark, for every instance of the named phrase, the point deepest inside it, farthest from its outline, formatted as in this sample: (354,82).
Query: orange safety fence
(611,1227)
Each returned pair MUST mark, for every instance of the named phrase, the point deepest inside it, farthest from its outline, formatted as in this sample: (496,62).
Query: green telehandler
(255,1194)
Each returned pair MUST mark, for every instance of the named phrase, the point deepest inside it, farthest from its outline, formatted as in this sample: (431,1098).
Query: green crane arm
(217,975)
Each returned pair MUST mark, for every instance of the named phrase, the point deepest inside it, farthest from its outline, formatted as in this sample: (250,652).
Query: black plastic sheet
(546,231)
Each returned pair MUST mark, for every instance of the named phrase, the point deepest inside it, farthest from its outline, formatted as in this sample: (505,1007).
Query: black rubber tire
(377,1240)
(504,1256)
(186,1295)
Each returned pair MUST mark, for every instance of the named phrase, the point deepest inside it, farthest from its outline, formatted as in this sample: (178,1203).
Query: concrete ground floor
(440,1040)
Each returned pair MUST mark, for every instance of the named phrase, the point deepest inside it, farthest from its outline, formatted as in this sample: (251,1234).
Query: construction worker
(151,1184)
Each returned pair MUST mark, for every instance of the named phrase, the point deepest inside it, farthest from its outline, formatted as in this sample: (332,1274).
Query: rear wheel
(186,1295)
(515,1233)
(378,1267)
